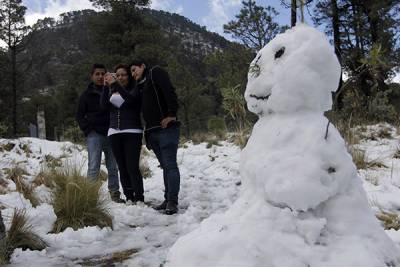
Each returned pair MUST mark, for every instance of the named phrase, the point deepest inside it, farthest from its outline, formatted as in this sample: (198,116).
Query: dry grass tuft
(389,220)
(351,135)
(358,156)
(20,235)
(45,177)
(384,133)
(27,190)
(375,164)
(52,162)
(26,149)
(361,161)
(76,201)
(240,139)
(3,186)
(103,176)
(109,260)
(7,147)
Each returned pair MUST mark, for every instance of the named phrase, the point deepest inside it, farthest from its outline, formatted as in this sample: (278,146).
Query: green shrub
(380,109)
(74,135)
(3,130)
(217,126)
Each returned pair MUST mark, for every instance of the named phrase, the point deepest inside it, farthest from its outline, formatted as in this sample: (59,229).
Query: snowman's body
(302,203)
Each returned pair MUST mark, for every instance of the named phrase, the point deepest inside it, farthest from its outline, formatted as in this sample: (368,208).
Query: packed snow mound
(296,71)
(295,166)
(302,203)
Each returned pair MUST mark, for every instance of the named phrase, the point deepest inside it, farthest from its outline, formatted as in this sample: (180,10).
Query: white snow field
(302,202)
(209,178)
(210,182)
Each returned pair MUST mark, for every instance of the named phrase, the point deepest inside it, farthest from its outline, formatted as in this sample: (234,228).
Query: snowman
(302,203)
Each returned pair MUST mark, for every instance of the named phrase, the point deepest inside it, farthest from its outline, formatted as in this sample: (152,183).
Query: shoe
(162,206)
(115,196)
(172,208)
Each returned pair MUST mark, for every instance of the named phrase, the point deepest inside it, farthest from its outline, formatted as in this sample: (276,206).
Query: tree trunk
(186,120)
(14,87)
(373,19)
(293,13)
(338,95)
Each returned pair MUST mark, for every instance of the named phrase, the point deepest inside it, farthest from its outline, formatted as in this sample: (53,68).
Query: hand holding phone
(110,78)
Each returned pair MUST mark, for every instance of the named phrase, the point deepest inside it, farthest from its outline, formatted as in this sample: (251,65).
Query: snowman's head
(296,71)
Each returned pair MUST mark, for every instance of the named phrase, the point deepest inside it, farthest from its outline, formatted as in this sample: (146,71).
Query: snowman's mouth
(261,97)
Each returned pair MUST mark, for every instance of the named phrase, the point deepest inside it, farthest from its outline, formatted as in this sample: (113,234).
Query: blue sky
(210,13)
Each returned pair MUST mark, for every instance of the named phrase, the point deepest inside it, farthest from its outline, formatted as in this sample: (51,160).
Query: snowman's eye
(280,52)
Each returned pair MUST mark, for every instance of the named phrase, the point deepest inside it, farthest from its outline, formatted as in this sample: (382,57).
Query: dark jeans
(164,143)
(96,144)
(126,148)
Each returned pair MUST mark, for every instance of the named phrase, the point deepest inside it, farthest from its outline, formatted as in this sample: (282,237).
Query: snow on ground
(210,184)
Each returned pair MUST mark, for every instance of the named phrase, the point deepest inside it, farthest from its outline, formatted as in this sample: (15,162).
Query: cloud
(54,8)
(179,10)
(220,12)
(166,5)
(161,4)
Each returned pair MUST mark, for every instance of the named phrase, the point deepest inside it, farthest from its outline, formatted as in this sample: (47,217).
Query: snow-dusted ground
(210,184)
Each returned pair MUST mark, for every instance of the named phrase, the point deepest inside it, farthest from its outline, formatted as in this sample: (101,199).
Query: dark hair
(138,62)
(126,68)
(97,66)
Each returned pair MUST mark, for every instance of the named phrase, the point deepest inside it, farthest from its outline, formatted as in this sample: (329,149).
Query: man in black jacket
(94,122)
(159,108)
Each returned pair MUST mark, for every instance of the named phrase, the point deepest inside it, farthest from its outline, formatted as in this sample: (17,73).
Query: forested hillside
(58,54)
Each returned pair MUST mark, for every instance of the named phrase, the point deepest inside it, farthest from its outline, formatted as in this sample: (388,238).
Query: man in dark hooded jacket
(94,122)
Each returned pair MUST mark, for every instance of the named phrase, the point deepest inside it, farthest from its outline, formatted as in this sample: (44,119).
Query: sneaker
(115,196)
(172,208)
(162,206)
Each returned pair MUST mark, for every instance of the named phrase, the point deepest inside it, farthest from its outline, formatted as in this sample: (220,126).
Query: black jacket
(127,116)
(159,99)
(89,115)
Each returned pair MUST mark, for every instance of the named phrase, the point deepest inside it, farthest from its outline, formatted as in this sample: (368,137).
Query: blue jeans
(97,143)
(164,143)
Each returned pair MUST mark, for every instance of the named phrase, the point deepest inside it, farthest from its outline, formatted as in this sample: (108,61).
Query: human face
(122,77)
(98,76)
(137,71)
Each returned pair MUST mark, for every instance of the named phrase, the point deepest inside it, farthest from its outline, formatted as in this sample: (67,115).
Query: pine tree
(111,4)
(364,38)
(254,25)
(12,32)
